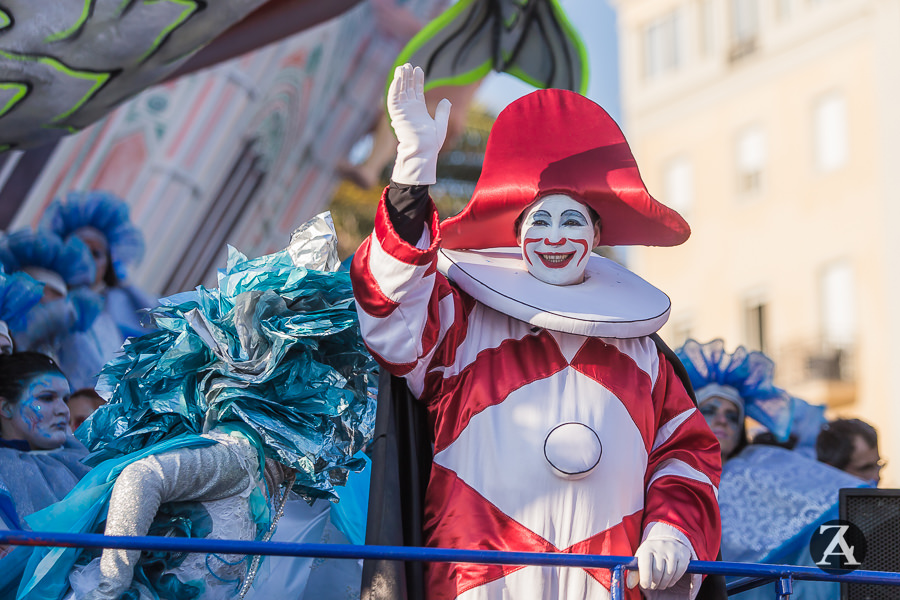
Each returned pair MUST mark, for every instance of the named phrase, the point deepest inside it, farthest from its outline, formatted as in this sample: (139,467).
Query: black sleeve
(408,208)
(677,365)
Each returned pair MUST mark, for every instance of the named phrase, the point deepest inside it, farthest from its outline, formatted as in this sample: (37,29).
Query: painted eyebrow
(571,213)
(540,214)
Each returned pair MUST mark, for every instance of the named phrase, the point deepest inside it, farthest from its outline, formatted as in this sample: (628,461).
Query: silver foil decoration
(314,244)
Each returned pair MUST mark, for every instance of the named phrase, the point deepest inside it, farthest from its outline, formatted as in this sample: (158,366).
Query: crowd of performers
(553,418)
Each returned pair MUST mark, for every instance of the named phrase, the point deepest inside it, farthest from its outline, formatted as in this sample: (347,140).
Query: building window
(678,182)
(663,39)
(837,298)
(783,9)
(751,160)
(830,132)
(755,323)
(832,357)
(706,27)
(744,27)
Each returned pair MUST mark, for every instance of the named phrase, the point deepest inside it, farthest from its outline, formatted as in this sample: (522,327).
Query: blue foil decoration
(276,347)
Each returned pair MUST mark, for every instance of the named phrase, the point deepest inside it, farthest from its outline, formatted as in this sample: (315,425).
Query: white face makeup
(41,416)
(556,238)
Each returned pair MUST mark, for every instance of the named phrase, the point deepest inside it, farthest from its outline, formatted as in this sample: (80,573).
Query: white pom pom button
(573,450)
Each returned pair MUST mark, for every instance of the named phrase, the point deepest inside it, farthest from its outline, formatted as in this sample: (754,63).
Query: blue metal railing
(759,574)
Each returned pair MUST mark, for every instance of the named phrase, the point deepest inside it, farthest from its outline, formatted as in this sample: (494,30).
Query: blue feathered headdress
(70,259)
(19,293)
(105,212)
(743,376)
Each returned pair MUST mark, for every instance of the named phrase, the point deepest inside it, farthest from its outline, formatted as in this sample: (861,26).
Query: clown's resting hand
(420,137)
(662,561)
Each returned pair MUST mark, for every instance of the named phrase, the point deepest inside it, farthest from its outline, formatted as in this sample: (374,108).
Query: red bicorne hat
(559,142)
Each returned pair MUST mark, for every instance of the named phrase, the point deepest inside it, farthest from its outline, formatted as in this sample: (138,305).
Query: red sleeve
(407,309)
(684,467)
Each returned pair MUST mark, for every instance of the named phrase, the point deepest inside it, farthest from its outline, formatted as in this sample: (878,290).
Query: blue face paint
(41,416)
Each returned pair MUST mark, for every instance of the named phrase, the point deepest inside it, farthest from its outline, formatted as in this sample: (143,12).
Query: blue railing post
(784,588)
(617,583)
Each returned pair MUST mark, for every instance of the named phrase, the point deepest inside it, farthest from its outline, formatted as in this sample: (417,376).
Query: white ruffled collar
(611,302)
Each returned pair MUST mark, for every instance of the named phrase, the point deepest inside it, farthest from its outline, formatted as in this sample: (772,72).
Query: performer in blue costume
(67,306)
(771,498)
(40,460)
(101,220)
(245,392)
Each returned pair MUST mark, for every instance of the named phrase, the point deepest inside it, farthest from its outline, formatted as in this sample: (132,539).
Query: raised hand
(419,136)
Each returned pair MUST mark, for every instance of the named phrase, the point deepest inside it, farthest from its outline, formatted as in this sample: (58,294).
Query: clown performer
(558,423)
(40,459)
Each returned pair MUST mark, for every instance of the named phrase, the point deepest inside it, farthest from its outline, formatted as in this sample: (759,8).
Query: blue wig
(745,377)
(71,259)
(19,293)
(105,212)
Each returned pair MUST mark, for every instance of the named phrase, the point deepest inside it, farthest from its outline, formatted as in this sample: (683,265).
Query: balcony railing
(801,361)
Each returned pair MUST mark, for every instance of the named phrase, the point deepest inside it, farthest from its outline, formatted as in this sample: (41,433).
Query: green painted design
(4,147)
(122,6)
(513,18)
(520,74)
(576,41)
(5,19)
(61,35)
(98,79)
(19,91)
(466,78)
(190,7)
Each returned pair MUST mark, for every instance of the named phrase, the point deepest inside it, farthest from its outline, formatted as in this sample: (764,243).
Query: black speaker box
(877,513)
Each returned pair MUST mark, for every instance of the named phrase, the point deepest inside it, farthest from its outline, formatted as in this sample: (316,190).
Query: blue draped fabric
(43,573)
(771,500)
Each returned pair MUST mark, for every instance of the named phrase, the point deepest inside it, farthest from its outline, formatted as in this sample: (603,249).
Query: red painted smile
(555,260)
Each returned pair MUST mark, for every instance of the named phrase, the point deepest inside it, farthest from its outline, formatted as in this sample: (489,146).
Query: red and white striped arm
(406,308)
(684,467)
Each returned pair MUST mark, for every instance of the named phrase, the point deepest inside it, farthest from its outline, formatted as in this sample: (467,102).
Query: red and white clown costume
(554,430)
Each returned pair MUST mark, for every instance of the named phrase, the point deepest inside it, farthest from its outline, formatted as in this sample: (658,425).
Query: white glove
(420,137)
(662,561)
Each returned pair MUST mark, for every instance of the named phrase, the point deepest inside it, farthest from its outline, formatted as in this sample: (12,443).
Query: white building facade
(771,125)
